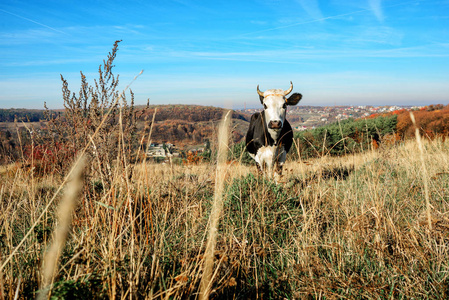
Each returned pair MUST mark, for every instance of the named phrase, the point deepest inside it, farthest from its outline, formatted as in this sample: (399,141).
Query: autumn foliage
(432,121)
(350,136)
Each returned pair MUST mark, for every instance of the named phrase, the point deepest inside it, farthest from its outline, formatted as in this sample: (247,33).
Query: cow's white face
(275,106)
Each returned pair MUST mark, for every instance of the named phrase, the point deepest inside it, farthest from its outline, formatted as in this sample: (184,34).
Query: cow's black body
(258,136)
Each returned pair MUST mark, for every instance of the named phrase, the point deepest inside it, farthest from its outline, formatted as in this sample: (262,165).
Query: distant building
(156,152)
(300,128)
(159,150)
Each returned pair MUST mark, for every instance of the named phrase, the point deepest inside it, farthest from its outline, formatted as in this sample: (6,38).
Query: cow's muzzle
(275,124)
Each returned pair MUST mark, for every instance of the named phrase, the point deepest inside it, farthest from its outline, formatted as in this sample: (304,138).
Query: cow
(270,136)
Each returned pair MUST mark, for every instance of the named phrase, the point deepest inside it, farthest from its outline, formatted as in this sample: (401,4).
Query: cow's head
(275,106)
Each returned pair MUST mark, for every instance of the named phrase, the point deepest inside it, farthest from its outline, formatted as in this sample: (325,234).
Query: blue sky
(352,52)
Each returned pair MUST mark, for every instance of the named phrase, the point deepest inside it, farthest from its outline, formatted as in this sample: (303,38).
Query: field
(369,225)
(83,214)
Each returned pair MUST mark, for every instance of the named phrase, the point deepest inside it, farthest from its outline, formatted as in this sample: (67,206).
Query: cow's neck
(273,136)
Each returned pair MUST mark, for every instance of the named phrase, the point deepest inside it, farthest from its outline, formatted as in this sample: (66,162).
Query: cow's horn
(289,90)
(259,92)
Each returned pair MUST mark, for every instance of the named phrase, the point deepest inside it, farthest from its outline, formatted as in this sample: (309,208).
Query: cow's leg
(265,159)
(277,175)
(259,169)
(281,156)
(278,169)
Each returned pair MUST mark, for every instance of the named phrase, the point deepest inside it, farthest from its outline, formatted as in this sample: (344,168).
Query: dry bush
(99,115)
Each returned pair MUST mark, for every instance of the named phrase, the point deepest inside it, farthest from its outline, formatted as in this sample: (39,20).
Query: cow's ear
(261,99)
(293,99)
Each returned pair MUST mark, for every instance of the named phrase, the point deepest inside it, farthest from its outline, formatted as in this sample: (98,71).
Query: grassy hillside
(83,215)
(352,226)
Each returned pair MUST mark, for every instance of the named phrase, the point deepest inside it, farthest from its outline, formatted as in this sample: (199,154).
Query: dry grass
(65,211)
(347,227)
(217,207)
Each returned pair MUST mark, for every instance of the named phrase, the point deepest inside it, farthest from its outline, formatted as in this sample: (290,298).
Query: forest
(356,135)
(21,115)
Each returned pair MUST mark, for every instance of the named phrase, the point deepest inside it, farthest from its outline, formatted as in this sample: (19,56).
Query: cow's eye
(284,106)
(264,106)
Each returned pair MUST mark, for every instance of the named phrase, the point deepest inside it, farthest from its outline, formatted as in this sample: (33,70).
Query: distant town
(301,118)
(309,117)
(196,121)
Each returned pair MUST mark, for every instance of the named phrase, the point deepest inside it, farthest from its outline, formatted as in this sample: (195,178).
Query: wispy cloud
(307,55)
(305,22)
(32,21)
(258,22)
(374,5)
(376,8)
(49,62)
(312,8)
(28,36)
(378,35)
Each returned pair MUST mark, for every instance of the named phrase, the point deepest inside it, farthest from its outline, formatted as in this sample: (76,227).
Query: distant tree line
(23,115)
(347,136)
(340,138)
(190,113)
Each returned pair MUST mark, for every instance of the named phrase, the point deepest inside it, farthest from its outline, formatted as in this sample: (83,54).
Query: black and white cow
(270,135)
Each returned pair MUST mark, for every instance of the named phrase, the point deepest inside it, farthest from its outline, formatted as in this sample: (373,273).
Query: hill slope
(188,124)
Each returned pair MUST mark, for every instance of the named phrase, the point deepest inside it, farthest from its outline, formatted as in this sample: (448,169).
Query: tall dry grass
(349,227)
(217,207)
(65,210)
